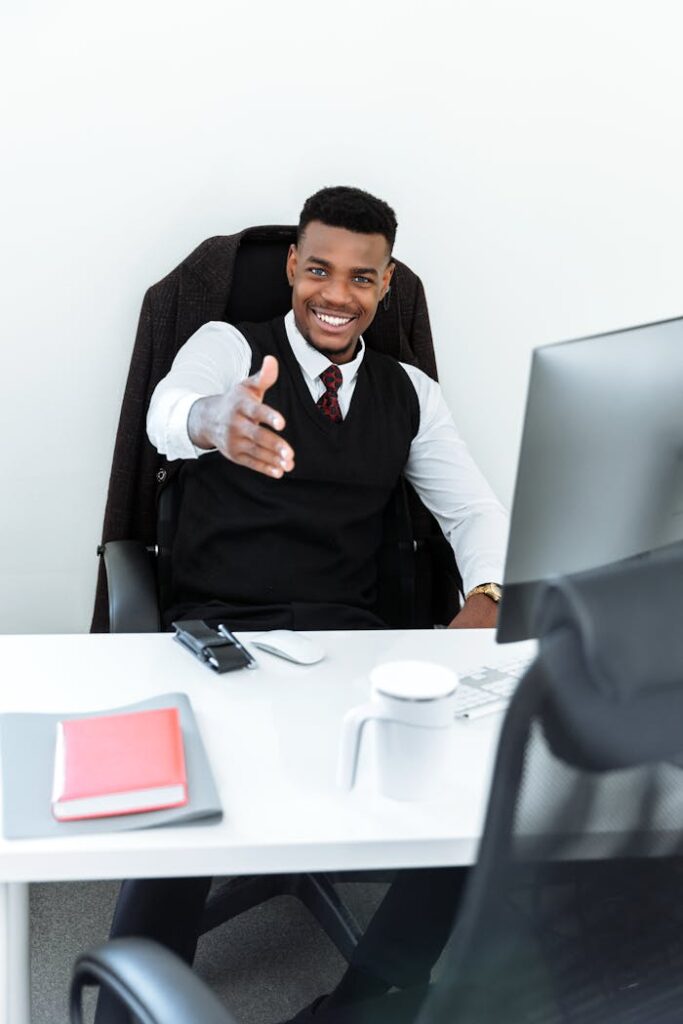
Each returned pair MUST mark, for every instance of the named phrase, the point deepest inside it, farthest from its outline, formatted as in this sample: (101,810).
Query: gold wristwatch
(492,590)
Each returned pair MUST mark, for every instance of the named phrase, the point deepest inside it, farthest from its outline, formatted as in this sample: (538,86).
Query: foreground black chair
(153,984)
(574,913)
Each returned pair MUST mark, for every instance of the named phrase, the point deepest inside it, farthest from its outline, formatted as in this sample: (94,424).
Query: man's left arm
(452,487)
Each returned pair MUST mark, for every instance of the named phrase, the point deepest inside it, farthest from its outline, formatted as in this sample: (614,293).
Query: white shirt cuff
(176,441)
(482,573)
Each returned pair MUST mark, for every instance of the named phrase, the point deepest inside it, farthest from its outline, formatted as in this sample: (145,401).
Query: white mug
(413,704)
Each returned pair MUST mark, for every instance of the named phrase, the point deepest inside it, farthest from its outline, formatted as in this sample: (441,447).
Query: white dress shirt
(439,466)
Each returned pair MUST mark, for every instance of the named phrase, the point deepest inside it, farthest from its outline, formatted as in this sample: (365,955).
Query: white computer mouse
(285,643)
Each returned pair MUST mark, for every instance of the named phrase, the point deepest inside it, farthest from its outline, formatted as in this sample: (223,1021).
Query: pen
(225,632)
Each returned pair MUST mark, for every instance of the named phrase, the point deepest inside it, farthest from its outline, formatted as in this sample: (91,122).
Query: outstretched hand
(241,426)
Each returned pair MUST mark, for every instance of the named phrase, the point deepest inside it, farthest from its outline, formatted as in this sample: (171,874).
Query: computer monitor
(600,472)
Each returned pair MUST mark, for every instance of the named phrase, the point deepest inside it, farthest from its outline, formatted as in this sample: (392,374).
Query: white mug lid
(413,680)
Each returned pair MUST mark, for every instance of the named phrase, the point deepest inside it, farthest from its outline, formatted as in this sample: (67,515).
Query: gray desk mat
(27,751)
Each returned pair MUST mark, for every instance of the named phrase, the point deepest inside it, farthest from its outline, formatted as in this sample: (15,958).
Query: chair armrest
(150,981)
(131,587)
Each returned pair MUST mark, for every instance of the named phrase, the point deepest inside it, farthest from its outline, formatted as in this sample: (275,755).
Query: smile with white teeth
(334,321)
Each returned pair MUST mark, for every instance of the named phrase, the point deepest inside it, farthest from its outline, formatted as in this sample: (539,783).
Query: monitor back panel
(600,473)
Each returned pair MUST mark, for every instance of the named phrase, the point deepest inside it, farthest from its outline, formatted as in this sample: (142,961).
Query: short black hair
(342,206)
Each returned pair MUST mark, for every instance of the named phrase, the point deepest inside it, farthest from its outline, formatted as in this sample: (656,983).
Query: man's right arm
(207,402)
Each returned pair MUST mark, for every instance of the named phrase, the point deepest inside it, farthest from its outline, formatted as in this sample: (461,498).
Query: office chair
(242,278)
(154,985)
(574,912)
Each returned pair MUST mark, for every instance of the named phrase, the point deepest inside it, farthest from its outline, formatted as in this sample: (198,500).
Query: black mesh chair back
(574,913)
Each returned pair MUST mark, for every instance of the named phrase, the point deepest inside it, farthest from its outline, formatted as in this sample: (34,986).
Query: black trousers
(400,945)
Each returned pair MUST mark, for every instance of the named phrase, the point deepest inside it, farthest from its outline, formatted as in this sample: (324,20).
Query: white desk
(271,735)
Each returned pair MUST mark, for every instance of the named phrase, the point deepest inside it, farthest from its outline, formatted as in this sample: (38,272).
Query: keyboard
(488,688)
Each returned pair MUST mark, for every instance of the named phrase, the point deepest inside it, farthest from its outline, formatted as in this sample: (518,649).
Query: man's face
(338,278)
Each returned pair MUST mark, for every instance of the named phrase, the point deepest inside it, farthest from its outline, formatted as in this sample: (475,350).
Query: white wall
(532,150)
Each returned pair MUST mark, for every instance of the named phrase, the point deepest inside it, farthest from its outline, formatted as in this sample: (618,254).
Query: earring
(387,298)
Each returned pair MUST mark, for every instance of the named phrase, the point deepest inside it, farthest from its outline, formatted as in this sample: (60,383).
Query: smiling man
(281,518)
(283,499)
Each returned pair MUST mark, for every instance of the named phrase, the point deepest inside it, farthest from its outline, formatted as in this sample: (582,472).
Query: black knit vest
(248,540)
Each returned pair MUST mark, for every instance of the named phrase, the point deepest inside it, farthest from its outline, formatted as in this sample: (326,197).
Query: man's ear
(386,278)
(292,257)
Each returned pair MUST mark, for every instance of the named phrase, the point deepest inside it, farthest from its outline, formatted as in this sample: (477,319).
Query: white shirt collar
(313,362)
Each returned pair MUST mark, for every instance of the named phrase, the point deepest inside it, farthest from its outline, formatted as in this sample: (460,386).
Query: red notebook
(119,764)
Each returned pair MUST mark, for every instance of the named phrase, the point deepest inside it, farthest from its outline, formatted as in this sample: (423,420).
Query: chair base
(316,892)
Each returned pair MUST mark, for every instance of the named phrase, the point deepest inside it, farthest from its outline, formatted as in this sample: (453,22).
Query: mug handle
(352,729)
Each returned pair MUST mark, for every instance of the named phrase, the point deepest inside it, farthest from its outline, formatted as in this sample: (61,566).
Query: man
(252,462)
(294,436)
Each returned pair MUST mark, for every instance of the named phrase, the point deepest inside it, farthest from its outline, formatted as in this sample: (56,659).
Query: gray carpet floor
(264,965)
